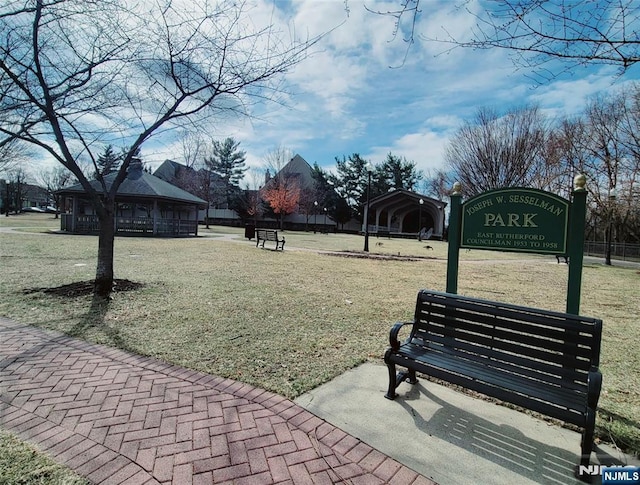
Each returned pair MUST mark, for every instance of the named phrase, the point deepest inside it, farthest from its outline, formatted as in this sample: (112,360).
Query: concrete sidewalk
(118,418)
(449,436)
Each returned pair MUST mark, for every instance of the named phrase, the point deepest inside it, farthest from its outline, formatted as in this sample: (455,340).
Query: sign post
(453,255)
(576,244)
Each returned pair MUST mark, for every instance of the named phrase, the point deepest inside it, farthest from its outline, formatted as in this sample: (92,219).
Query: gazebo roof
(140,184)
(403,199)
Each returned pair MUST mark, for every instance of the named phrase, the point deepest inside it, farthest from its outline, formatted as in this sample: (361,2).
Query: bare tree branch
(539,31)
(495,150)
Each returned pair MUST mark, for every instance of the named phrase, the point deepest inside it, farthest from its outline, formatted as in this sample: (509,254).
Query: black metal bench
(543,361)
(269,235)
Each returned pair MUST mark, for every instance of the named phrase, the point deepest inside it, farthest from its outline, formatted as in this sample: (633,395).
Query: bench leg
(412,377)
(395,379)
(587,437)
(586,446)
(391,392)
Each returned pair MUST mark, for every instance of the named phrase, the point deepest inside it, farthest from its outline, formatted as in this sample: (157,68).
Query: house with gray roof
(145,205)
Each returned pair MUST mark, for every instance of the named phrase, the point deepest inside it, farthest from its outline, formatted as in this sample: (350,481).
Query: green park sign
(523,220)
(516,219)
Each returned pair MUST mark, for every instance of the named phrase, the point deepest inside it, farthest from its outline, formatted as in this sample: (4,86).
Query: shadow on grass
(94,321)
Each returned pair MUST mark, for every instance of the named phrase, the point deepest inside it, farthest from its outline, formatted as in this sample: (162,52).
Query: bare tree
(52,181)
(79,74)
(628,197)
(437,184)
(194,148)
(602,147)
(563,156)
(193,176)
(17,189)
(253,206)
(536,32)
(607,151)
(495,151)
(13,154)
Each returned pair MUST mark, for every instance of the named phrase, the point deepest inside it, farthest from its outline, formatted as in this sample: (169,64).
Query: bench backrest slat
(533,339)
(507,311)
(267,234)
(535,324)
(524,343)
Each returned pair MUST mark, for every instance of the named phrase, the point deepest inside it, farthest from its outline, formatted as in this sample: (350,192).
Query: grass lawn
(22,464)
(289,321)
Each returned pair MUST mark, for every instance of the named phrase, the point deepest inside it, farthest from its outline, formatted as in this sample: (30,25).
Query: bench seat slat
(485,372)
(458,376)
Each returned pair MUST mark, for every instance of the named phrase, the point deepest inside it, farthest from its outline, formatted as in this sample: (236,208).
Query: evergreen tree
(228,162)
(351,181)
(326,194)
(108,162)
(398,173)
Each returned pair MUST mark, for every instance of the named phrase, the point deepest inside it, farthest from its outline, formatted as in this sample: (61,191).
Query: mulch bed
(382,257)
(83,288)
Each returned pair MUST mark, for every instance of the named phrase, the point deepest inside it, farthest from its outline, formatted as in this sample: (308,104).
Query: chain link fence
(623,251)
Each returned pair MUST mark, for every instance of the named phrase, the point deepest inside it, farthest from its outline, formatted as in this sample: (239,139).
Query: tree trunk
(104,271)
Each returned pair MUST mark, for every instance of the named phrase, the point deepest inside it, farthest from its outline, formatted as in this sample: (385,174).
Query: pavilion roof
(140,184)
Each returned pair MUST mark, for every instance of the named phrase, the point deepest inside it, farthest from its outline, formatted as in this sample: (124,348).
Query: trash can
(249,231)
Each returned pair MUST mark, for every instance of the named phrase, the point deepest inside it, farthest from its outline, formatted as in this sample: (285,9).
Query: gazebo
(145,205)
(405,213)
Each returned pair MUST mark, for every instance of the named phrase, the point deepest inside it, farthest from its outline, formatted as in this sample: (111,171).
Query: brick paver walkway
(117,418)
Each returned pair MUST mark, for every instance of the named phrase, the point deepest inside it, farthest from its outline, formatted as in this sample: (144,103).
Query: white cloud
(570,96)
(425,148)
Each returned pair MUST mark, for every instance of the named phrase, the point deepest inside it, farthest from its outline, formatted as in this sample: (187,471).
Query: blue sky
(345,98)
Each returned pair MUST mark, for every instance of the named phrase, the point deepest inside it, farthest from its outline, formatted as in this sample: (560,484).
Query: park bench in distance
(543,361)
(269,235)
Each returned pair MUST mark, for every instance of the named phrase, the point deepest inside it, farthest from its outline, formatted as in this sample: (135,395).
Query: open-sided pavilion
(405,213)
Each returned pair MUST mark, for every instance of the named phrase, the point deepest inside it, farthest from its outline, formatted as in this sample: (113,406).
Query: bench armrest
(393,334)
(594,384)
